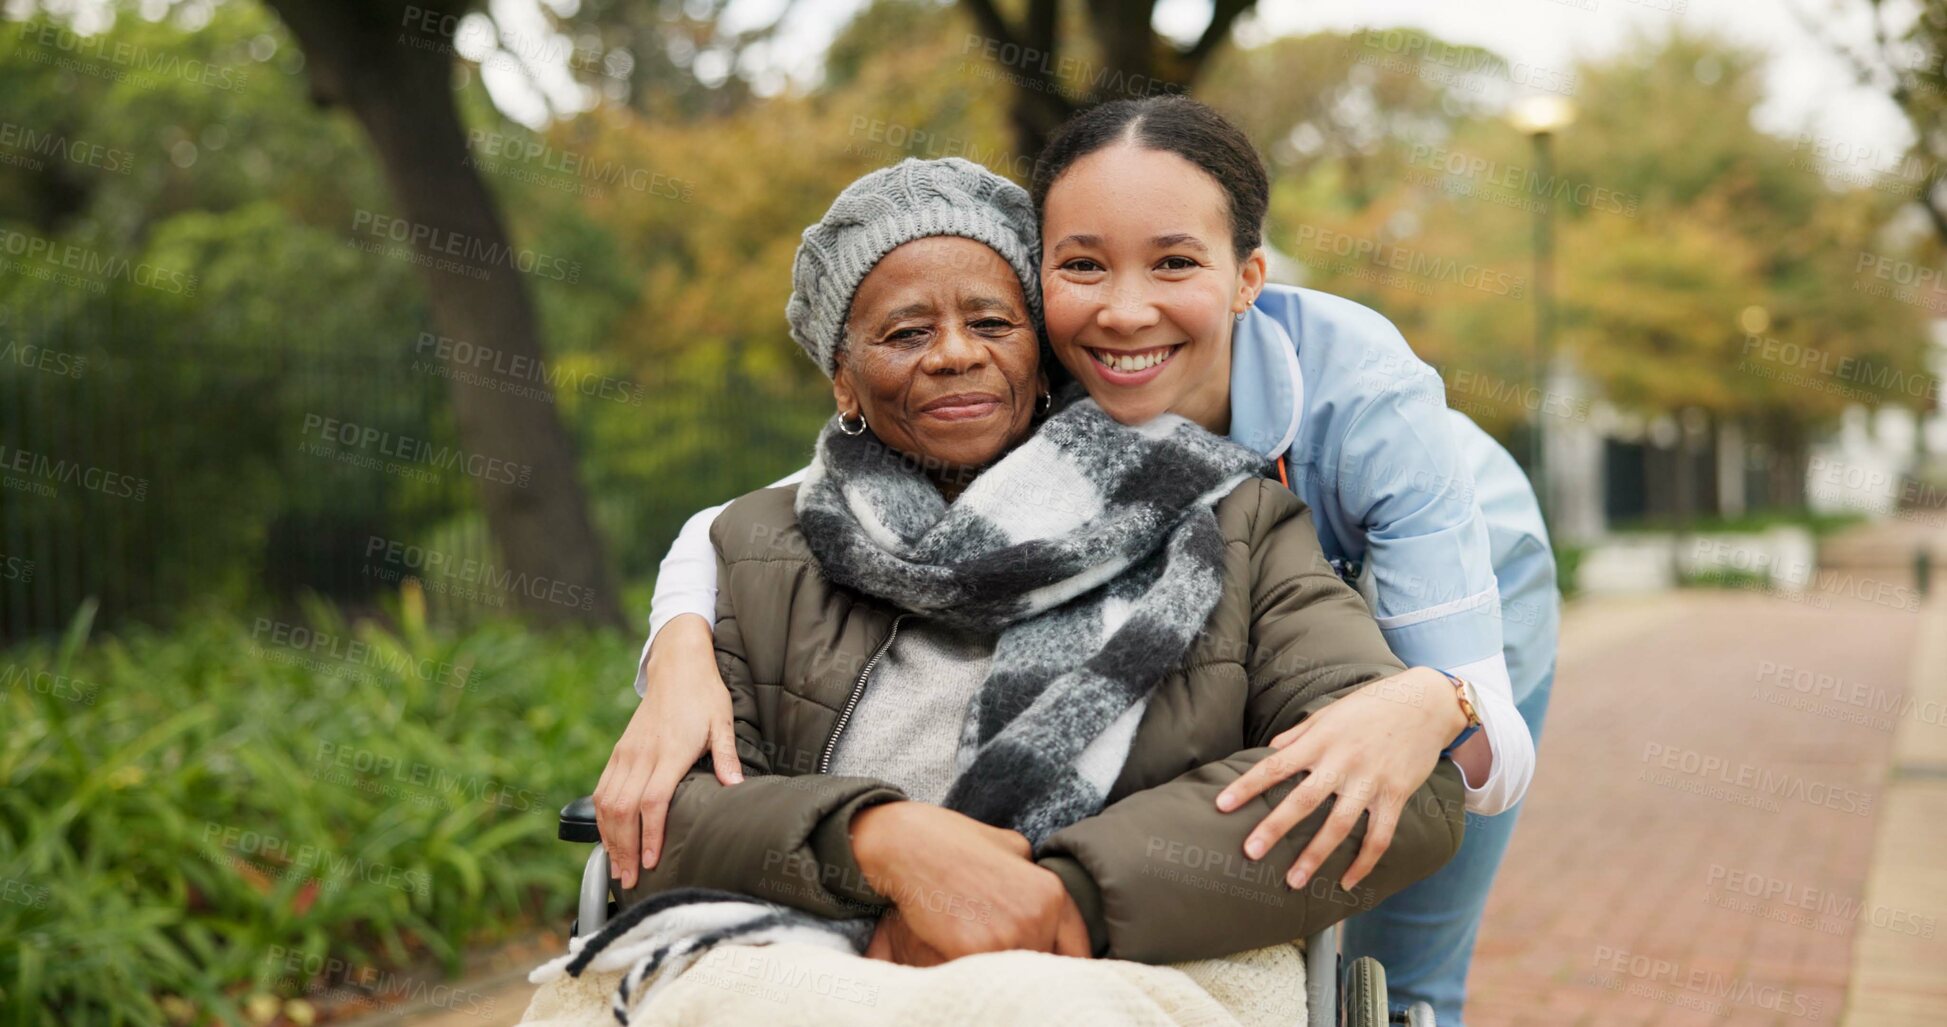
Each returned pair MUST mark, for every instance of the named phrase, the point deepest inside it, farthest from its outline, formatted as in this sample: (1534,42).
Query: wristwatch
(1464,692)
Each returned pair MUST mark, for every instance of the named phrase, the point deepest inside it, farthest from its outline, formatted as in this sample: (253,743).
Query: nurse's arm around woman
(1159,875)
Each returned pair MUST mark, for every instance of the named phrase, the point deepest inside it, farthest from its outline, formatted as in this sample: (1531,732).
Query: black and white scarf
(1091,550)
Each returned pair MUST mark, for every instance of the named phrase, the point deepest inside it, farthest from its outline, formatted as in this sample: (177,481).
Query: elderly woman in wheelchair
(992,662)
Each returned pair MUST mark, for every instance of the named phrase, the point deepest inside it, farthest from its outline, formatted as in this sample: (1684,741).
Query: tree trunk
(1129,48)
(1039,106)
(361,56)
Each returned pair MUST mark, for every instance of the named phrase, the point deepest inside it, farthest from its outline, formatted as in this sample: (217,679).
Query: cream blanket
(811,986)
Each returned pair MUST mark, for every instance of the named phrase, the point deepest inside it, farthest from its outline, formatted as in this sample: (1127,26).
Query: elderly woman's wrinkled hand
(895,942)
(962,887)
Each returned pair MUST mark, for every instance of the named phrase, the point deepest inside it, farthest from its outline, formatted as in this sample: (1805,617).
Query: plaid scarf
(1091,550)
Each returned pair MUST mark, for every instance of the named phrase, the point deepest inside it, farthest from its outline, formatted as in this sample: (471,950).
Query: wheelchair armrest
(578,821)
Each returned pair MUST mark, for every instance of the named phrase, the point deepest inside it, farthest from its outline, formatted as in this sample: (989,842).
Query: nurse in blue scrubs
(1156,299)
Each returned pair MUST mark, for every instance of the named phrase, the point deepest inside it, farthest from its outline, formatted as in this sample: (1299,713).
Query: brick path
(1672,786)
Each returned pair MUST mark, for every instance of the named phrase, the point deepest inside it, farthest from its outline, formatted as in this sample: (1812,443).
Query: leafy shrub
(176,809)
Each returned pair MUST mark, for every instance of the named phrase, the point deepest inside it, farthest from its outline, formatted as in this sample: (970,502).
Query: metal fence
(159,474)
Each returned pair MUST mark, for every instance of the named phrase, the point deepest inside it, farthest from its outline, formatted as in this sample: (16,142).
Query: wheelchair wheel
(1365,994)
(1419,1014)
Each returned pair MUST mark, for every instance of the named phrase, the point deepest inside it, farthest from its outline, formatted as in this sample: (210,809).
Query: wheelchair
(1336,995)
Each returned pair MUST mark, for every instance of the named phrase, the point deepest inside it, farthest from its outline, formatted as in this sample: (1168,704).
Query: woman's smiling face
(941,356)
(1141,284)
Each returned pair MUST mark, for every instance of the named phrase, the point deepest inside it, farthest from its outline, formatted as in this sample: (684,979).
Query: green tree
(1708,272)
(1906,58)
(1693,248)
(390,64)
(1342,113)
(193,376)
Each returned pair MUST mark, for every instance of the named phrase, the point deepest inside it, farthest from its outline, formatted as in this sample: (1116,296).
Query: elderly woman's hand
(960,886)
(685,710)
(894,941)
(1372,749)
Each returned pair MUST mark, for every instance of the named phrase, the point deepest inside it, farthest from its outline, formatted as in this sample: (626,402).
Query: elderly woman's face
(940,355)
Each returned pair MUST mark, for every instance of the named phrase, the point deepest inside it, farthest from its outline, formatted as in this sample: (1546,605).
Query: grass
(1819,524)
(195,824)
(1568,563)
(1726,577)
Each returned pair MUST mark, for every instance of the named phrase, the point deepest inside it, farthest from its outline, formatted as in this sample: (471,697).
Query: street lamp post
(1539,118)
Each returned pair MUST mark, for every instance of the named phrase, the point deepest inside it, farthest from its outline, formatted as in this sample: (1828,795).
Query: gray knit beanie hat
(888,208)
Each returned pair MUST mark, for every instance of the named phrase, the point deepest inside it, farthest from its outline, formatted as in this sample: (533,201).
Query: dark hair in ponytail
(1173,124)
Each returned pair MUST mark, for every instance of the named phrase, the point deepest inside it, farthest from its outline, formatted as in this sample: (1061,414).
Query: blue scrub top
(1402,488)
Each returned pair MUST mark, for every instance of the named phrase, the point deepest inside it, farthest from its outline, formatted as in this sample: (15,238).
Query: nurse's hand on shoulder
(1371,750)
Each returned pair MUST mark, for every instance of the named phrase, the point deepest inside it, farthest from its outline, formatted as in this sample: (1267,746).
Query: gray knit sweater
(906,728)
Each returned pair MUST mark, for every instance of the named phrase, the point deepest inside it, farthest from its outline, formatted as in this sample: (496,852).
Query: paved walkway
(1699,839)
(1899,974)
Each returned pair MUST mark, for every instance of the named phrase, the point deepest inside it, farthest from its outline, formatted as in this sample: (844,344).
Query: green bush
(1819,524)
(178,811)
(1727,577)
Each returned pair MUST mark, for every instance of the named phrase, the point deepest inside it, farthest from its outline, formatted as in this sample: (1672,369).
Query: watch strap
(1464,691)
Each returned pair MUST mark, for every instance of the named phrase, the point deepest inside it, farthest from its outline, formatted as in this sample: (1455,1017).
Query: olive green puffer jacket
(1159,874)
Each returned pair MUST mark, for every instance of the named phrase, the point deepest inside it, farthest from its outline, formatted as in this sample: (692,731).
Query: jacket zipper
(858,691)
